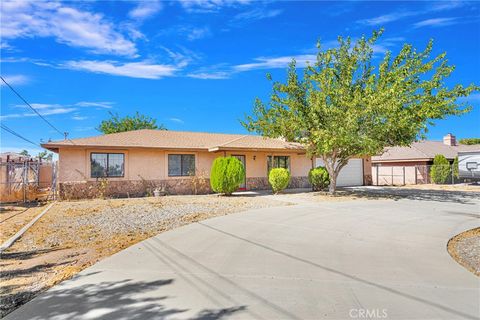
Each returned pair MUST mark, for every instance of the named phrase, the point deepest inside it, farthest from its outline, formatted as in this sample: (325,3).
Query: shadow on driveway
(117,300)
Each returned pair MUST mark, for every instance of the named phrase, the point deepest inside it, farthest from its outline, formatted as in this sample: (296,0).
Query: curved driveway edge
(332,260)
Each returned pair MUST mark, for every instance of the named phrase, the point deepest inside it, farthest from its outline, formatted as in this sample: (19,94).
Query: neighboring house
(422,152)
(14,157)
(405,165)
(24,178)
(133,161)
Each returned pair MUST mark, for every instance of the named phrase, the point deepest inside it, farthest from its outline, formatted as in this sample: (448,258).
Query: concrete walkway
(331,260)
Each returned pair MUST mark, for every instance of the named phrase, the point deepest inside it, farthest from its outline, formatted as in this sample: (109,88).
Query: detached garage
(357,172)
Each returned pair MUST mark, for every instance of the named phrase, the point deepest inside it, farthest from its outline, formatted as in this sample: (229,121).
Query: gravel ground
(75,235)
(465,248)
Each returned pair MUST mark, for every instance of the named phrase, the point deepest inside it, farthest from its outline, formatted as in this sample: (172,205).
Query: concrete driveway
(333,260)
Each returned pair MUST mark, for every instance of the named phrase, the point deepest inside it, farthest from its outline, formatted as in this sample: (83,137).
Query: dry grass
(74,235)
(14,217)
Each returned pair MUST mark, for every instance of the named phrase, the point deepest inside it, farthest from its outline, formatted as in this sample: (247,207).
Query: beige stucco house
(131,162)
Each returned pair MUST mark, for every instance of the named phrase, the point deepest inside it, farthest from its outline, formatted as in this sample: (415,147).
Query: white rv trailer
(469,165)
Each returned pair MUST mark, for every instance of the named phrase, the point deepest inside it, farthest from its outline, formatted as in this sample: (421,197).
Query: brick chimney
(449,140)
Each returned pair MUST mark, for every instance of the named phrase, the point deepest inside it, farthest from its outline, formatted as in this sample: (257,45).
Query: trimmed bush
(319,178)
(227,174)
(455,167)
(441,170)
(279,179)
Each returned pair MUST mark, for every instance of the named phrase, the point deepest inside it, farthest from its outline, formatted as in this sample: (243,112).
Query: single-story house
(422,152)
(133,161)
(410,165)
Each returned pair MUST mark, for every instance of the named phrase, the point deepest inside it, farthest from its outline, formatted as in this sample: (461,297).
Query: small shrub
(226,175)
(103,184)
(441,170)
(279,179)
(319,178)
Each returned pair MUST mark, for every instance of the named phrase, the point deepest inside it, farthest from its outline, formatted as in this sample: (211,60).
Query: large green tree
(128,123)
(469,141)
(347,105)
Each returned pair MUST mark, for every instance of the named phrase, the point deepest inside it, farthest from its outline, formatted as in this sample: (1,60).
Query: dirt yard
(75,235)
(14,217)
(465,249)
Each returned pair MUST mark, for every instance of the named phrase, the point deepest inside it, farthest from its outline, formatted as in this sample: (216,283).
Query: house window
(472,166)
(180,165)
(107,165)
(278,162)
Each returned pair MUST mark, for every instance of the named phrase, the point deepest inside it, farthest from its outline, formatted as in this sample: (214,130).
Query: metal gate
(28,181)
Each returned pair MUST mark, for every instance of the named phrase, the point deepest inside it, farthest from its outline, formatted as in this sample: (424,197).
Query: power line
(4,127)
(34,110)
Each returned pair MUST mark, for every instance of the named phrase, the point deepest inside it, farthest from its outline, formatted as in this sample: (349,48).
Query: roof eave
(287,150)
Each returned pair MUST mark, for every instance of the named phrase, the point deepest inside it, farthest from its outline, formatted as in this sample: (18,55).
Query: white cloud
(210,75)
(210,5)
(473,98)
(143,69)
(79,117)
(145,9)
(401,14)
(276,62)
(47,109)
(177,120)
(198,33)
(15,80)
(437,22)
(43,109)
(68,25)
(258,14)
(386,18)
(104,104)
(225,71)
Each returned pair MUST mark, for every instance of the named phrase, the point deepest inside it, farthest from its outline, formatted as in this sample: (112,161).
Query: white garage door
(350,175)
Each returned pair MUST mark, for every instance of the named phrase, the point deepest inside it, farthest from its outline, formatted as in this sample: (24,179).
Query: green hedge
(319,178)
(279,179)
(441,170)
(227,174)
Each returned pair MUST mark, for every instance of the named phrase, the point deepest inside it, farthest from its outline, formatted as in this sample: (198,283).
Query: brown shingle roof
(166,139)
(423,150)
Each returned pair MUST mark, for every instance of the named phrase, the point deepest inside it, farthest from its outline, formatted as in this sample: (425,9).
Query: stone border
(458,256)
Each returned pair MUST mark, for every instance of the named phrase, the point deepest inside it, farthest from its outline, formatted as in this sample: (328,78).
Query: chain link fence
(28,181)
(419,174)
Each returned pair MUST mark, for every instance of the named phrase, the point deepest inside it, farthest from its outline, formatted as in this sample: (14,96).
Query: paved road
(332,260)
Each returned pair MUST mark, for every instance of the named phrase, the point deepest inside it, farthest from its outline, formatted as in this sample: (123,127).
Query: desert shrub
(199,181)
(440,171)
(319,178)
(279,179)
(227,175)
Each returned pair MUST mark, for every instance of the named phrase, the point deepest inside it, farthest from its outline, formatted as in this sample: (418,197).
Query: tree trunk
(329,165)
(333,183)
(333,166)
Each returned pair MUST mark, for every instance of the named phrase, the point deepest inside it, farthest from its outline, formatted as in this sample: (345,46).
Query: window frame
(472,165)
(108,164)
(181,155)
(271,162)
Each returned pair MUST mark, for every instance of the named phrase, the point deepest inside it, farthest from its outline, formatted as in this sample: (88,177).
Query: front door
(243,186)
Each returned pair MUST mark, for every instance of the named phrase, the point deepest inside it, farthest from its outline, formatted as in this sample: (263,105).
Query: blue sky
(198,65)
